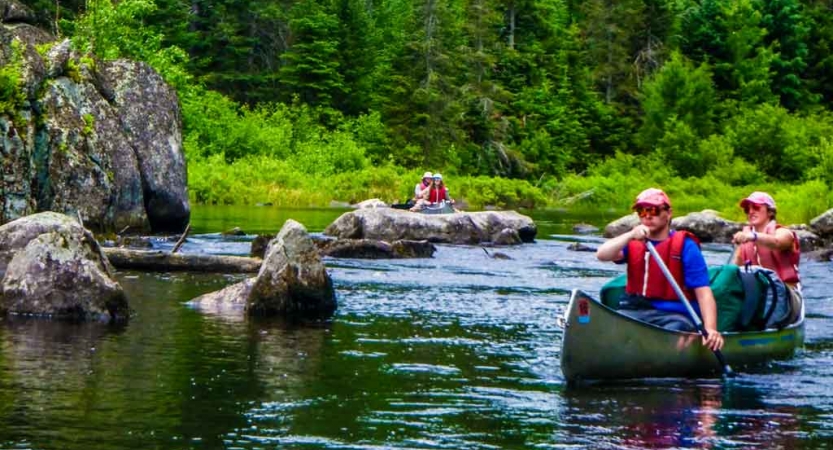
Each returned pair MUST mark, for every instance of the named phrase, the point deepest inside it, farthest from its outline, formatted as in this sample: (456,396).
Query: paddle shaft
(694,317)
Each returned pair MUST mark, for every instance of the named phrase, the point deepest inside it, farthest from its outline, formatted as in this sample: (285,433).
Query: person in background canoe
(765,243)
(420,187)
(435,194)
(649,296)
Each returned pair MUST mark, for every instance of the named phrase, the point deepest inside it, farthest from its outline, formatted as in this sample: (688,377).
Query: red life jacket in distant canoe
(437,195)
(645,278)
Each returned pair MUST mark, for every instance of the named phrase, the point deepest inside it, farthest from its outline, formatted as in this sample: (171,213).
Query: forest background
(519,103)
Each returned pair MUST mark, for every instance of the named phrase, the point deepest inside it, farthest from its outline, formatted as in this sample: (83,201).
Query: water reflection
(682,414)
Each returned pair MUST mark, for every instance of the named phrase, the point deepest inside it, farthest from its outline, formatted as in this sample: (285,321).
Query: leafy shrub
(480,192)
(780,143)
(12,96)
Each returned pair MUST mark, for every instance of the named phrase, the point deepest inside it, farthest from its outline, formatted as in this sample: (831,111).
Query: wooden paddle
(727,371)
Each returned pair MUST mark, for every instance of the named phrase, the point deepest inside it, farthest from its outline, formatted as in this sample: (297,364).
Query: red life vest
(437,195)
(645,278)
(783,262)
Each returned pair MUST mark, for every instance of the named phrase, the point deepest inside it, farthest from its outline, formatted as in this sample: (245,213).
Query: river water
(458,351)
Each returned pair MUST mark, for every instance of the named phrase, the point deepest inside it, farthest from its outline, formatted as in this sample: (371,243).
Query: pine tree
(311,69)
(787,29)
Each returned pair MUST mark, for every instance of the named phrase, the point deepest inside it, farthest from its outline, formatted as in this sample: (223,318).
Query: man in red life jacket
(649,296)
(765,243)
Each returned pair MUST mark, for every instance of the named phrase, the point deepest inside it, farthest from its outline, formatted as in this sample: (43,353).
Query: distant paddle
(727,371)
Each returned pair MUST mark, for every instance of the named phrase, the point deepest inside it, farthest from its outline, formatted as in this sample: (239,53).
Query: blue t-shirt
(695,272)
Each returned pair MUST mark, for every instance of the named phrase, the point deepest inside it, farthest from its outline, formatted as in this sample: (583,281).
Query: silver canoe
(441,208)
(600,344)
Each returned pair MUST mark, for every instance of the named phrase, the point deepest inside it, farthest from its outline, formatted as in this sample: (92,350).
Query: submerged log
(160,261)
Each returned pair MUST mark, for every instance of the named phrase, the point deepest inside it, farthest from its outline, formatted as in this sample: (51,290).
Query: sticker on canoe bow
(583,311)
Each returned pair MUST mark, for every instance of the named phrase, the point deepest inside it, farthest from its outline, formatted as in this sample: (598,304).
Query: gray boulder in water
(388,224)
(370,249)
(823,224)
(292,281)
(51,266)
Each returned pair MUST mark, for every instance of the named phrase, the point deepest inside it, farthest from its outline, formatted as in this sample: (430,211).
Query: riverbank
(610,186)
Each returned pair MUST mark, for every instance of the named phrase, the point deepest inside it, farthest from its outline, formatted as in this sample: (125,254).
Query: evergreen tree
(678,92)
(424,108)
(787,30)
(311,69)
(820,49)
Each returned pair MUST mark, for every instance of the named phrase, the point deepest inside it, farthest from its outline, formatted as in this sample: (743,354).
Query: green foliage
(479,192)
(89,124)
(678,147)
(783,145)
(627,94)
(823,170)
(112,31)
(820,49)
(311,67)
(43,49)
(787,30)
(12,95)
(214,124)
(801,203)
(681,92)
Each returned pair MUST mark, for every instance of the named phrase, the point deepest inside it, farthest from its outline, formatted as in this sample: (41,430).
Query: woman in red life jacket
(438,192)
(649,296)
(435,194)
(765,243)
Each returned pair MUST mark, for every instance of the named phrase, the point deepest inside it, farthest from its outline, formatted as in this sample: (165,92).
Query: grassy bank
(611,185)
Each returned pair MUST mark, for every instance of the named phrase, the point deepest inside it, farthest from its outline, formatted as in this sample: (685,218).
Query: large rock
(370,249)
(99,140)
(387,224)
(807,239)
(292,281)
(51,266)
(621,225)
(371,203)
(149,113)
(708,226)
(11,12)
(823,224)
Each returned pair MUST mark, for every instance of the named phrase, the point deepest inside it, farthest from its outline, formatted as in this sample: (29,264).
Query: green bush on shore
(260,179)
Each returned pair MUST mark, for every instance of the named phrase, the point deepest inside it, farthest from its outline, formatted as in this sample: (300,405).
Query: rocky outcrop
(11,12)
(356,248)
(387,224)
(371,203)
(51,266)
(708,226)
(506,236)
(585,228)
(370,249)
(823,224)
(621,225)
(99,140)
(292,281)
